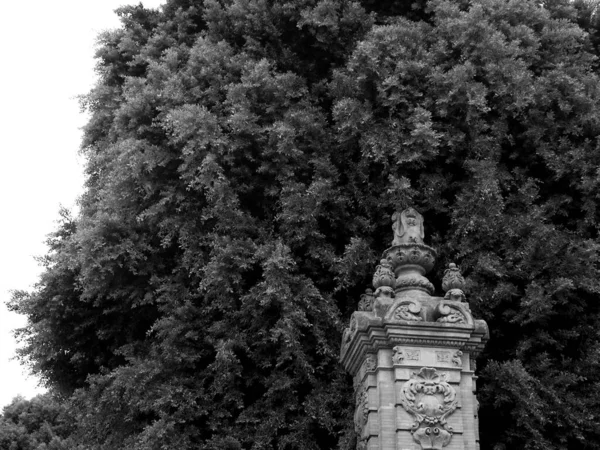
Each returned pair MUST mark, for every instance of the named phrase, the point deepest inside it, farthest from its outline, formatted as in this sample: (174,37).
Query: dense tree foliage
(243,160)
(42,423)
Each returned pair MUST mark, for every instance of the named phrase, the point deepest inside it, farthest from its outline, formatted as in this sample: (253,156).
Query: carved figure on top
(408,227)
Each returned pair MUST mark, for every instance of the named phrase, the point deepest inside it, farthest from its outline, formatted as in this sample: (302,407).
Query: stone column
(412,353)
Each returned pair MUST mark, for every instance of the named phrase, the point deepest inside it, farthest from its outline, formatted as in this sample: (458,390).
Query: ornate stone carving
(429,398)
(351,330)
(453,279)
(415,282)
(398,355)
(453,313)
(384,277)
(361,413)
(442,356)
(455,295)
(413,355)
(370,362)
(408,310)
(453,284)
(416,254)
(366,301)
(408,227)
(457,358)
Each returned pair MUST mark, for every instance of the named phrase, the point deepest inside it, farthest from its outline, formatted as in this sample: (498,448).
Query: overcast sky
(47,60)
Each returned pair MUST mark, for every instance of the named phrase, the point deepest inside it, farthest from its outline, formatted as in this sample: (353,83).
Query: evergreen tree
(243,160)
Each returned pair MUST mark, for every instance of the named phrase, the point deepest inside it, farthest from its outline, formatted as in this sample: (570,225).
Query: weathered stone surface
(412,353)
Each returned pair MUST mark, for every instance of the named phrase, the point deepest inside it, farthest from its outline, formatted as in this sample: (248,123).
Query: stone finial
(410,258)
(453,283)
(408,227)
(384,279)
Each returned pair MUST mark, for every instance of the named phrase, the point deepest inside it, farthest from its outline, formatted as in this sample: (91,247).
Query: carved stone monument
(412,354)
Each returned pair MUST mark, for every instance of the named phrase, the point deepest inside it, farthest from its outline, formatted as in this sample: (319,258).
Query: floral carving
(366,301)
(429,398)
(398,355)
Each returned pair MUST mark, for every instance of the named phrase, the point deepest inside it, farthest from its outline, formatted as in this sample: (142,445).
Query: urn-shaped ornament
(453,279)
(384,276)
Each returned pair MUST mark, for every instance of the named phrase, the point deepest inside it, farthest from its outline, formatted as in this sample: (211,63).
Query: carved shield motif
(430,400)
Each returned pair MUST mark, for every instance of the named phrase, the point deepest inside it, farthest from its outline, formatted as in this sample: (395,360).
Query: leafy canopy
(243,160)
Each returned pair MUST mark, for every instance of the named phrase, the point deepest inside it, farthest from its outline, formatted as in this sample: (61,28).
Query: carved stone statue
(408,227)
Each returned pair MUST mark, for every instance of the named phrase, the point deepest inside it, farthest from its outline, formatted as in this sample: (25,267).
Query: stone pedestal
(412,357)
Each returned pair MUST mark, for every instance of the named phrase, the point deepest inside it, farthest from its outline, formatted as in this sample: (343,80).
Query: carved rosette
(429,399)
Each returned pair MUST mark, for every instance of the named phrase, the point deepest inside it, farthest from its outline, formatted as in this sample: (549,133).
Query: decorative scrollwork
(408,310)
(453,313)
(429,398)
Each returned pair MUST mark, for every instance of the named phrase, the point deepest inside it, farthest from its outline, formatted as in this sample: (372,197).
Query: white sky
(47,60)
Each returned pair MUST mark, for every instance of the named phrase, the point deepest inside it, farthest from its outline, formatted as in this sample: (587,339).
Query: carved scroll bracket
(454,312)
(408,310)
